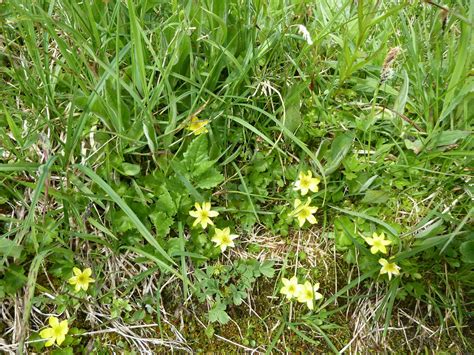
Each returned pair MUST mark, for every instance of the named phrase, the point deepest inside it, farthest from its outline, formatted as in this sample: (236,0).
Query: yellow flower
(304,212)
(56,333)
(389,268)
(290,287)
(378,243)
(306,182)
(81,279)
(224,239)
(307,294)
(197,126)
(203,214)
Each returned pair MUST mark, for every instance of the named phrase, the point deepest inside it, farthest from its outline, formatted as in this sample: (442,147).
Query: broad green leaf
(401,100)
(375,197)
(16,131)
(446,138)
(292,118)
(130,169)
(416,146)
(339,149)
(367,217)
(467,251)
(341,225)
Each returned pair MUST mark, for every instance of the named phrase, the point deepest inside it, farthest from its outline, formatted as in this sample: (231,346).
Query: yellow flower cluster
(304,293)
(378,243)
(197,126)
(203,214)
(304,211)
(57,331)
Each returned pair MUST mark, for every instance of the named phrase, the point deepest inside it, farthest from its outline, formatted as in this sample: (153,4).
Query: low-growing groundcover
(236,175)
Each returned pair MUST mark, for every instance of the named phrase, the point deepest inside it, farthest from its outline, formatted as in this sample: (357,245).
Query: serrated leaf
(267,269)
(165,202)
(202,167)
(237,295)
(196,152)
(121,222)
(162,223)
(218,314)
(209,331)
(211,178)
(9,248)
(14,279)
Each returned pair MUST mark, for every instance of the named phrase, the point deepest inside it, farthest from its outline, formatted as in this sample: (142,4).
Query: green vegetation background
(98,169)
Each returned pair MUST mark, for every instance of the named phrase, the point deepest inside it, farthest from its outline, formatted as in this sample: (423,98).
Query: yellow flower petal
(60,339)
(301,220)
(53,321)
(73,280)
(213,213)
(64,326)
(311,219)
(46,333)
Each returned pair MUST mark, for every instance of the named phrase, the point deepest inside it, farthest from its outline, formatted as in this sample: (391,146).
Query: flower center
(82,278)
(309,294)
(378,244)
(291,288)
(204,214)
(57,331)
(305,212)
(226,239)
(305,182)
